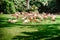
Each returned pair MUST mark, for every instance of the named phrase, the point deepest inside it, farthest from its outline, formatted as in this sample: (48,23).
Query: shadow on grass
(4,23)
(49,35)
(7,24)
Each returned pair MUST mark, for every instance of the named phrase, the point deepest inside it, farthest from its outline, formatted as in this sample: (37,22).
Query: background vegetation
(11,6)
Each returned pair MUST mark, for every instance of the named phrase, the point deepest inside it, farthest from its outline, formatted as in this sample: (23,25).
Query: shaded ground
(46,30)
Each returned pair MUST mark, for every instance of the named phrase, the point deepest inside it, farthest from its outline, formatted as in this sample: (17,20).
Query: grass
(45,30)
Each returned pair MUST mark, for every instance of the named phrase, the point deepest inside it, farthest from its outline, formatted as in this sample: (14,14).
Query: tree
(7,6)
(28,5)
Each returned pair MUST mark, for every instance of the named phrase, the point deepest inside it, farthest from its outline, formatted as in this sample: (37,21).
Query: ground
(45,30)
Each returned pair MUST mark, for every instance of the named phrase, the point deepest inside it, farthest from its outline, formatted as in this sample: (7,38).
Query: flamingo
(26,21)
(12,21)
(16,15)
(53,17)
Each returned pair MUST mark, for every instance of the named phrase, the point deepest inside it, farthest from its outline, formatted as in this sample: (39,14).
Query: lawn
(45,30)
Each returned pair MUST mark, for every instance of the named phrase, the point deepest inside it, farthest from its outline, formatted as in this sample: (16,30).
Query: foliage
(11,6)
(58,5)
(7,6)
(20,5)
(53,6)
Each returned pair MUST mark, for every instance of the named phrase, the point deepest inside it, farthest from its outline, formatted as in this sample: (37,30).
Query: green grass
(45,30)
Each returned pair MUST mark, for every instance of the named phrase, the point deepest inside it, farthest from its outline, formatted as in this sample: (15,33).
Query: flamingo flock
(32,17)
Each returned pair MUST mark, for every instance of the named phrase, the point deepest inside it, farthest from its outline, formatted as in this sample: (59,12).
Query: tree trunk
(28,5)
